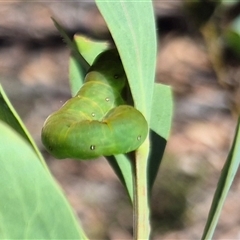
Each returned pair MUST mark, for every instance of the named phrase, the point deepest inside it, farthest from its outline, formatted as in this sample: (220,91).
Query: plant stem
(141,206)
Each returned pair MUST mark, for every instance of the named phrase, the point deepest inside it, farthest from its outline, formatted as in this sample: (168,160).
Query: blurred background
(198,55)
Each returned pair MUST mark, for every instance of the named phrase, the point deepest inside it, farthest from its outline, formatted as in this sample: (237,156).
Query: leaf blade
(123,167)
(9,115)
(225,181)
(32,206)
(128,23)
(89,50)
(160,123)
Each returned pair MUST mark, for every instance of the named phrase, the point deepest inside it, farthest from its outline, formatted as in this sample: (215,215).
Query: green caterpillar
(97,121)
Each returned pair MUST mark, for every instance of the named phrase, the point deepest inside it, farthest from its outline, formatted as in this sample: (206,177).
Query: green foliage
(132,26)
(10,116)
(137,49)
(44,212)
(231,37)
(225,181)
(89,52)
(32,205)
(160,123)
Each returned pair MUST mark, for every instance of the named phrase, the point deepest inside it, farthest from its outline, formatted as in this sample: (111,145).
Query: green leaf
(158,145)
(160,123)
(78,66)
(132,27)
(225,181)
(89,50)
(71,44)
(32,205)
(10,116)
(84,51)
(76,75)
(123,167)
(229,3)
(231,37)
(231,40)
(235,25)
(162,110)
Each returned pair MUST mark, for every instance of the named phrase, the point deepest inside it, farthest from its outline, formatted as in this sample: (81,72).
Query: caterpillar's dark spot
(92,147)
(116,76)
(50,148)
(139,137)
